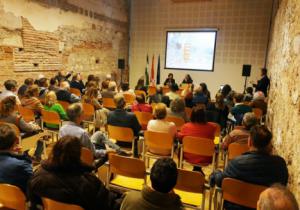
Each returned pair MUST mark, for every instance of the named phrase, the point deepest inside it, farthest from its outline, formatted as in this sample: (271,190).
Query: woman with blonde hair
(31,101)
(52,105)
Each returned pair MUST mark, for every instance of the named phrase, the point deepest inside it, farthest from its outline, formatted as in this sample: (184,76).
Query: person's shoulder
(131,200)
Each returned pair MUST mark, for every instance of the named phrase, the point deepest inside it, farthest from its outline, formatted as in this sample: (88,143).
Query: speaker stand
(245,85)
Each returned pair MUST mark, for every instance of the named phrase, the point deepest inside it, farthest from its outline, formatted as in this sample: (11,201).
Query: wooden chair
(166,89)
(122,134)
(129,173)
(89,115)
(51,118)
(56,205)
(12,197)
(75,91)
(157,145)
(129,98)
(188,111)
(151,90)
(64,104)
(191,188)
(179,122)
(234,150)
(143,118)
(27,114)
(140,92)
(258,113)
(87,156)
(109,103)
(197,146)
(239,192)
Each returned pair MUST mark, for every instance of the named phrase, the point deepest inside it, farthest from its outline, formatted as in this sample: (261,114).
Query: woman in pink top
(141,105)
(198,127)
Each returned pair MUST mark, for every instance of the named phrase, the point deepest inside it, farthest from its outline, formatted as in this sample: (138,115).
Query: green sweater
(60,110)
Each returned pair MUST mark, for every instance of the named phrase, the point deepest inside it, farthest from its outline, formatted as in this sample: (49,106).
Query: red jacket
(141,108)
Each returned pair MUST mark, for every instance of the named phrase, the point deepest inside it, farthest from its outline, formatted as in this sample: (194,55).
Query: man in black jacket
(263,83)
(63,94)
(257,166)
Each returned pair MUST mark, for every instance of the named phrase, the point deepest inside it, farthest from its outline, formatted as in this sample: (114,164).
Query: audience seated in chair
(125,89)
(64,178)
(63,93)
(199,97)
(258,166)
(259,102)
(30,99)
(140,105)
(120,117)
(241,134)
(141,85)
(177,109)
(77,82)
(22,89)
(11,87)
(239,108)
(110,92)
(53,85)
(173,92)
(160,196)
(43,85)
(277,197)
(15,169)
(205,91)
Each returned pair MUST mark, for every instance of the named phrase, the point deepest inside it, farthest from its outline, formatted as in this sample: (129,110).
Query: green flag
(146,72)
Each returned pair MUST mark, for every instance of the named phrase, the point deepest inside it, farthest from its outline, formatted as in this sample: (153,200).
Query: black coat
(75,186)
(263,84)
(63,95)
(78,85)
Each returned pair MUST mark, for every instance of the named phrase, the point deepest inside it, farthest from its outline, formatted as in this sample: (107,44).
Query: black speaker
(121,63)
(246,70)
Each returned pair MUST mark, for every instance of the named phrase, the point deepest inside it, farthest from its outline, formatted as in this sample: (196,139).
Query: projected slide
(190,50)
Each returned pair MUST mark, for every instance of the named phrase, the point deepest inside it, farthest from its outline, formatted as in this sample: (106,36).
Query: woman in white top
(159,124)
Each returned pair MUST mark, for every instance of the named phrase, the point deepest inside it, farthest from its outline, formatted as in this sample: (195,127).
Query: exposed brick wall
(284,96)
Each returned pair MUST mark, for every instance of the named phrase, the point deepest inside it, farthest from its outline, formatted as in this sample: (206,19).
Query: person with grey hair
(63,93)
(73,128)
(259,102)
(277,197)
(120,117)
(241,133)
(177,109)
(11,87)
(111,91)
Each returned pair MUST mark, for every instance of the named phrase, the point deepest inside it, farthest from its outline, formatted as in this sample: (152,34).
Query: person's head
(141,82)
(90,77)
(249,120)
(50,98)
(177,105)
(53,81)
(108,77)
(238,98)
(226,90)
(159,90)
(65,153)
(43,82)
(32,91)
(160,111)
(140,99)
(105,85)
(247,98)
(91,84)
(11,85)
(198,114)
(219,101)
(76,77)
(170,76)
(173,87)
(260,138)
(264,71)
(92,93)
(119,101)
(28,81)
(277,197)
(164,175)
(8,105)
(259,95)
(75,113)
(249,90)
(65,85)
(112,85)
(199,90)
(125,86)
(8,137)
(188,77)
(204,87)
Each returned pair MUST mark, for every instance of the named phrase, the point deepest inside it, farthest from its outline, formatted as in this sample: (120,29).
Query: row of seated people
(64,177)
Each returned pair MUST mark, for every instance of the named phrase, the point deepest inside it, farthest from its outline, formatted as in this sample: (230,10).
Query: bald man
(277,197)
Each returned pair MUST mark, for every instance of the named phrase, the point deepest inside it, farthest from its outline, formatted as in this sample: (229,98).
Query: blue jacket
(15,169)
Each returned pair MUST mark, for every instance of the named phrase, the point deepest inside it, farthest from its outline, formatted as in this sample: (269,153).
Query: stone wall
(44,36)
(284,100)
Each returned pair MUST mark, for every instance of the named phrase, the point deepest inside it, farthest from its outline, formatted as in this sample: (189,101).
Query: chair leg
(203,200)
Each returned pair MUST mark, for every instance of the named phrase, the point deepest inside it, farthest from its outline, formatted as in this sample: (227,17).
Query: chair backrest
(127,166)
(166,89)
(258,113)
(143,117)
(87,156)
(179,122)
(27,114)
(151,90)
(75,91)
(190,181)
(140,92)
(109,103)
(188,111)
(157,142)
(236,149)
(55,205)
(51,117)
(120,133)
(241,193)
(198,146)
(88,111)
(64,104)
(12,197)
(129,98)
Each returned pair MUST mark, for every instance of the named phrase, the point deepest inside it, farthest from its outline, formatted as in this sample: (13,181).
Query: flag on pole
(158,71)
(146,72)
(152,71)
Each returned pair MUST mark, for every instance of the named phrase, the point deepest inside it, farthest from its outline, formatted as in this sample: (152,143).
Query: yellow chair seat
(127,182)
(189,198)
(217,140)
